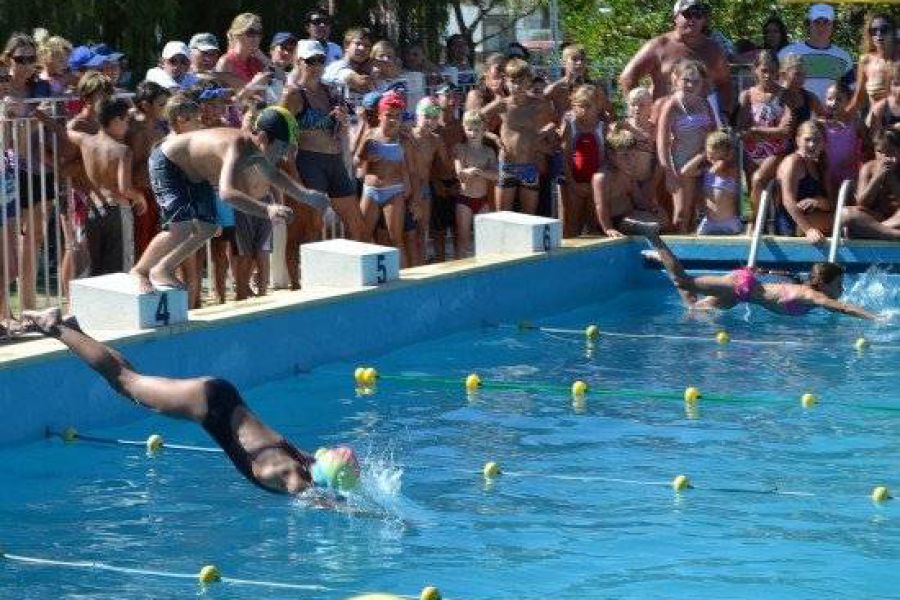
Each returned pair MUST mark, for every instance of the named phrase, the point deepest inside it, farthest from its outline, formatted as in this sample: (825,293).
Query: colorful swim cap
(336,468)
(429,107)
(370,100)
(391,101)
(279,124)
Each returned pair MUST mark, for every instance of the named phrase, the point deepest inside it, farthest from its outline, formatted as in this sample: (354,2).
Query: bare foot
(46,321)
(161,280)
(652,256)
(143,281)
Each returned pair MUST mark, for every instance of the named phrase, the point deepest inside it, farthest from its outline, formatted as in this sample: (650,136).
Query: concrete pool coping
(267,338)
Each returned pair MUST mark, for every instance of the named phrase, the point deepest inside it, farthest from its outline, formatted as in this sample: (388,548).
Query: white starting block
(515,233)
(345,263)
(112,302)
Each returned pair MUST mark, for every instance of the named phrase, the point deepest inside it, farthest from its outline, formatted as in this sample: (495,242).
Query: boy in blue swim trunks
(183,170)
(527,133)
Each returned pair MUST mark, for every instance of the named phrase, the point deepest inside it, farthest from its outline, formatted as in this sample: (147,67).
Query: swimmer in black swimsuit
(259,453)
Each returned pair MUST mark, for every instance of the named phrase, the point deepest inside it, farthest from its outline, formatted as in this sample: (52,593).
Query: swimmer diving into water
(259,453)
(821,290)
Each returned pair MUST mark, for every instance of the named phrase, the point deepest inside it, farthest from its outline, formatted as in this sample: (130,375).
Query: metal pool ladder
(843,195)
(765,220)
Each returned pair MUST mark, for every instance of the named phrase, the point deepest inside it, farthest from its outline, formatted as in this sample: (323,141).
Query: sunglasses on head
(315,60)
(28,59)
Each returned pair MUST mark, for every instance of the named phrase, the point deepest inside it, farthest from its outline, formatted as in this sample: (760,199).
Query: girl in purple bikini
(821,290)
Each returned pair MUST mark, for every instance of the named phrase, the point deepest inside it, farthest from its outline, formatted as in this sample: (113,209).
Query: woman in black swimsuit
(259,453)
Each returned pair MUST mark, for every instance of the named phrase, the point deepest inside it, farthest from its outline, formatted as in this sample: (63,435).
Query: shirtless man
(574,59)
(658,56)
(527,131)
(877,211)
(621,206)
(430,155)
(185,167)
(259,453)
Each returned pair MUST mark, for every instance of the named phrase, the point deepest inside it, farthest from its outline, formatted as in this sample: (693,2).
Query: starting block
(112,302)
(346,263)
(515,233)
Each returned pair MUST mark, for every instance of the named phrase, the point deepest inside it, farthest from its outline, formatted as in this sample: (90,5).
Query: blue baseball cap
(104,50)
(97,61)
(370,101)
(214,94)
(283,37)
(80,57)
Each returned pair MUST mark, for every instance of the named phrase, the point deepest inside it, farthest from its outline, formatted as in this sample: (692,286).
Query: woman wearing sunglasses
(320,163)
(244,62)
(879,49)
(33,189)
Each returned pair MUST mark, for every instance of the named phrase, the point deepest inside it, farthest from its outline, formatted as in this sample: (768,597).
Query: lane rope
(103,566)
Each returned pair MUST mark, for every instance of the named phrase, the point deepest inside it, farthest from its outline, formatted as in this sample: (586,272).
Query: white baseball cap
(173,49)
(309,48)
(821,11)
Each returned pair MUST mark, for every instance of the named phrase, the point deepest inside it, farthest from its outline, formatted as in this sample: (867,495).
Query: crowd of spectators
(408,149)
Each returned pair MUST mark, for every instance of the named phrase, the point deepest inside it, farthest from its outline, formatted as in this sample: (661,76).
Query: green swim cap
(279,124)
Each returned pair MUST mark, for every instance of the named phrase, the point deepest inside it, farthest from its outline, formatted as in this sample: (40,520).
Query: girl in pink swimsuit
(821,290)
(684,122)
(843,137)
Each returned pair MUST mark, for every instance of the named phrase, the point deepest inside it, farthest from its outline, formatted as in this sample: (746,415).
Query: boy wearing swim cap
(184,169)
(385,160)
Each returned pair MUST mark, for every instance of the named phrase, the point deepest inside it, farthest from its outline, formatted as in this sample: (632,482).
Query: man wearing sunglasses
(823,61)
(658,56)
(174,70)
(318,28)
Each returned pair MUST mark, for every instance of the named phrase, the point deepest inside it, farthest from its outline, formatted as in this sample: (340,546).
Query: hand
(260,78)
(673,181)
(614,233)
(278,213)
(814,235)
(808,204)
(316,199)
(417,208)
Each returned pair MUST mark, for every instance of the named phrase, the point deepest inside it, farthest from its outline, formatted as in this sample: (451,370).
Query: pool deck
(42,385)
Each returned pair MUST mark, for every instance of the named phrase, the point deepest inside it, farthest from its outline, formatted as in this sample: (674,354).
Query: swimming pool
(780,508)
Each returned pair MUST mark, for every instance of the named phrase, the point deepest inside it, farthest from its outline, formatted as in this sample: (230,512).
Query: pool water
(780,509)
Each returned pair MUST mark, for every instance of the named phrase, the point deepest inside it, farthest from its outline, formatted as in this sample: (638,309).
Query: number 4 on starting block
(112,302)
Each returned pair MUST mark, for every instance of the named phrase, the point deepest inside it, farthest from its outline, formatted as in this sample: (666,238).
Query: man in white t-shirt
(823,61)
(318,27)
(174,72)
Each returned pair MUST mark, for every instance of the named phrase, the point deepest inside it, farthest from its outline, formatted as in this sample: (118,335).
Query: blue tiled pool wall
(60,391)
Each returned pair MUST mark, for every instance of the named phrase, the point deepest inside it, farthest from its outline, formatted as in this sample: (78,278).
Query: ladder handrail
(760,221)
(846,186)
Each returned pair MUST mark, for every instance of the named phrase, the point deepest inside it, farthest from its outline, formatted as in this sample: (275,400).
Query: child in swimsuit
(821,290)
(806,203)
(476,168)
(684,122)
(843,137)
(764,120)
(384,159)
(583,142)
(720,186)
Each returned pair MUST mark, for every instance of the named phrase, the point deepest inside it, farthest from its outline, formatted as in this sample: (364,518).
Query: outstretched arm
(828,303)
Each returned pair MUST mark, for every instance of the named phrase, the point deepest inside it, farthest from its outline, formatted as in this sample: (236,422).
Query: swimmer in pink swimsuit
(822,289)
